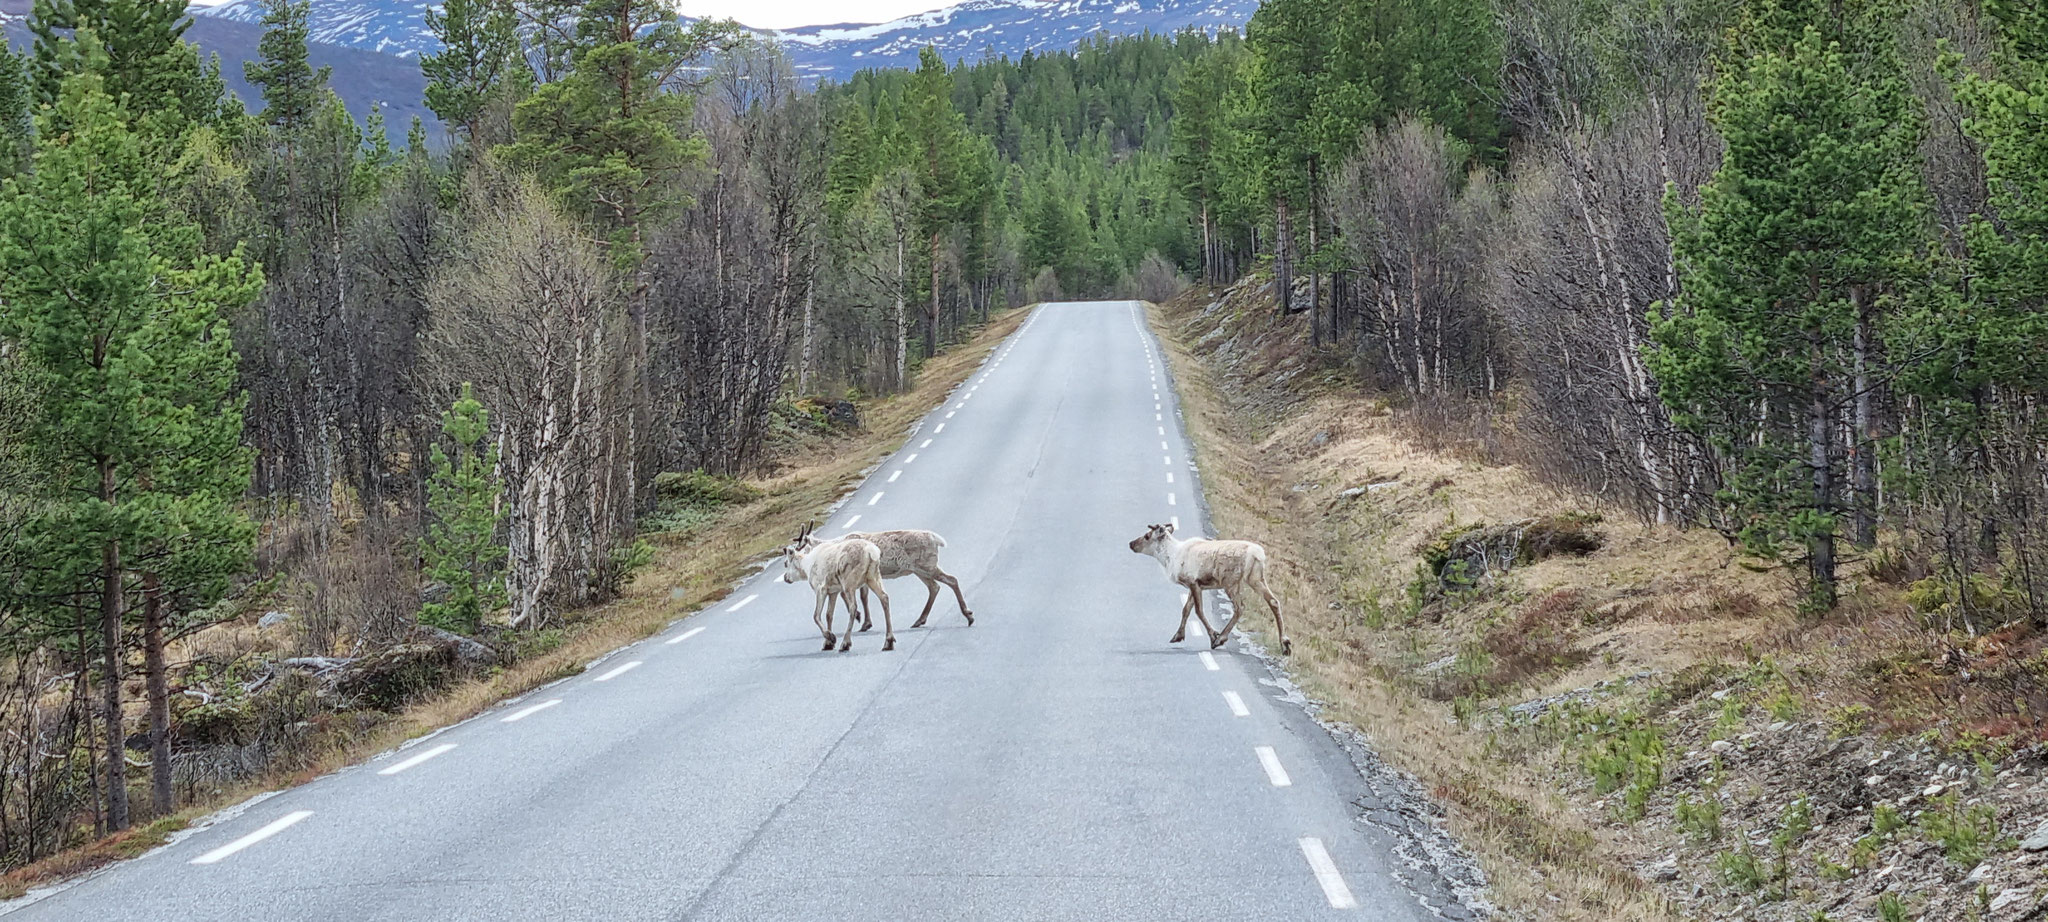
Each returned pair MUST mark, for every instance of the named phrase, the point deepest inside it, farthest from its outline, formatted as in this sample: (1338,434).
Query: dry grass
(684,578)
(1341,566)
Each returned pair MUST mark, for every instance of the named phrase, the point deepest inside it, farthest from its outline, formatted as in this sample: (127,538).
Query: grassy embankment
(1630,723)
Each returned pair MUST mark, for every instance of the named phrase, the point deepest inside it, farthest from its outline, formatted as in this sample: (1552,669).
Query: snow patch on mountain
(967,30)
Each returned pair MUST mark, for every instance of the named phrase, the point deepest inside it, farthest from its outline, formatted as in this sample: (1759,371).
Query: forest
(1769,267)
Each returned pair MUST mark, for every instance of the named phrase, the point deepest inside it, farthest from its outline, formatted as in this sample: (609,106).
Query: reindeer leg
(1185,608)
(867,614)
(888,624)
(1236,612)
(931,595)
(825,625)
(948,579)
(1274,604)
(1204,618)
(852,615)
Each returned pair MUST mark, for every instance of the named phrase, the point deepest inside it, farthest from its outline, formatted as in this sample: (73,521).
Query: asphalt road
(1057,760)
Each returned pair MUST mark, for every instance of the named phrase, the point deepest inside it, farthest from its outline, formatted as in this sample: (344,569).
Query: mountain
(968,30)
(363,79)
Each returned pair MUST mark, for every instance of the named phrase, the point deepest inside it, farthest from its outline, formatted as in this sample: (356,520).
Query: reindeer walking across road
(1202,563)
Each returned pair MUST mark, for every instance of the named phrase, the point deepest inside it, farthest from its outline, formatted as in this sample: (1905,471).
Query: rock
(469,651)
(1779,727)
(389,678)
(1354,491)
(1978,874)
(2037,842)
(1382,486)
(1720,746)
(434,593)
(1873,781)
(273,618)
(1721,695)
(1663,870)
(2009,897)
(843,413)
(1320,439)
(1931,790)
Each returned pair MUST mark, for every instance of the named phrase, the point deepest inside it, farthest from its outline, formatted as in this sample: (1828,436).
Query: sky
(784,14)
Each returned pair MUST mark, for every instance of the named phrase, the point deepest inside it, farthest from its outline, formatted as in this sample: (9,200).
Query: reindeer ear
(1167,528)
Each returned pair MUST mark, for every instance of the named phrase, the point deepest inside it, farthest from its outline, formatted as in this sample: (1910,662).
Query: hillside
(1625,721)
(363,79)
(965,31)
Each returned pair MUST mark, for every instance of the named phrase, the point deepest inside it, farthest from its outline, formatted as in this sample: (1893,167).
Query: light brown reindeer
(837,570)
(910,552)
(1203,563)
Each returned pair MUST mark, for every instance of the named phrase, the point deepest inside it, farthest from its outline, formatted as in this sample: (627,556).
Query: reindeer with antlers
(837,570)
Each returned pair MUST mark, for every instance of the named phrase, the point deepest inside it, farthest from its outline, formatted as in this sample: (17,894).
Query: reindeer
(908,552)
(836,570)
(1201,564)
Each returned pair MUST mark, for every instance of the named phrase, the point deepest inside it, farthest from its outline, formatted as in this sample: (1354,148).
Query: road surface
(1057,760)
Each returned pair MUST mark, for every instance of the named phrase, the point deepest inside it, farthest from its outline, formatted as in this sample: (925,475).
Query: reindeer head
(793,555)
(1154,536)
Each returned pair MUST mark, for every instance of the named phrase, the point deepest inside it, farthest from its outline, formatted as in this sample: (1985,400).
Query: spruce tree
(1801,239)
(479,49)
(289,83)
(461,548)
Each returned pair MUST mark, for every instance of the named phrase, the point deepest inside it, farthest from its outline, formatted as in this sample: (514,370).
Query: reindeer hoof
(1217,640)
(888,644)
(846,644)
(866,628)
(918,623)
(1286,647)
(828,641)
(970,618)
(1177,638)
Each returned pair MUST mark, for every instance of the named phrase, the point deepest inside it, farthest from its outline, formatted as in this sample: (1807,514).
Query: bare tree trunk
(1283,254)
(902,319)
(808,354)
(1862,446)
(931,326)
(1819,436)
(158,682)
(110,640)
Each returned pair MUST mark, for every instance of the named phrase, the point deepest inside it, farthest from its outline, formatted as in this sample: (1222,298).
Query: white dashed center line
(1162,429)
(1236,704)
(1332,882)
(1163,447)
(874,499)
(275,826)
(1209,661)
(1271,763)
(530,710)
(736,606)
(686,635)
(1169,499)
(849,524)
(415,760)
(897,473)
(949,413)
(619,670)
(1169,476)
(913,457)
(927,443)
(1176,522)
(941,428)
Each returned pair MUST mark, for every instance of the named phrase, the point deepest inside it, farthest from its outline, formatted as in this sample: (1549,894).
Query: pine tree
(290,86)
(1800,240)
(120,321)
(461,549)
(15,127)
(479,49)
(148,66)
